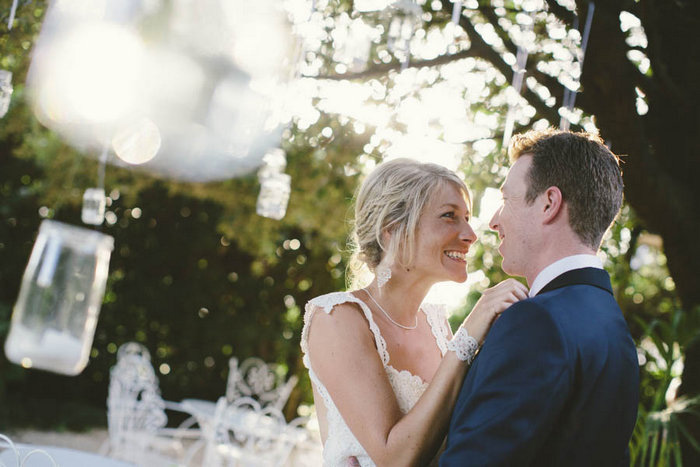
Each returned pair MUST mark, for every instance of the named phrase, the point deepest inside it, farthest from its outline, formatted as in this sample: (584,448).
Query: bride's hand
(491,304)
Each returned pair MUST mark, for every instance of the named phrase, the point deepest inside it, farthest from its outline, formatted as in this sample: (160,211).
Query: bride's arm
(343,354)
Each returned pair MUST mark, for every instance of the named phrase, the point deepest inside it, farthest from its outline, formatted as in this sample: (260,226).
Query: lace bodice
(340,442)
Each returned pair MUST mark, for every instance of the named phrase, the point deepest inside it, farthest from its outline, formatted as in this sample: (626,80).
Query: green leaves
(662,420)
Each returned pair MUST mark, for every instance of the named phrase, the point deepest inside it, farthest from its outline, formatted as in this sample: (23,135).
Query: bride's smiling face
(444,236)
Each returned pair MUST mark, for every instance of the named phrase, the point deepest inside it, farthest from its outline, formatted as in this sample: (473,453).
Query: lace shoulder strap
(437,319)
(326,303)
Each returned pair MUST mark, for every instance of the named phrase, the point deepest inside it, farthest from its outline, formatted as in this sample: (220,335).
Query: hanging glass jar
(94,204)
(274,195)
(54,319)
(275,186)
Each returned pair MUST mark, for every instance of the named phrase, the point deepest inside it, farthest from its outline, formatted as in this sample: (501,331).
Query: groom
(556,382)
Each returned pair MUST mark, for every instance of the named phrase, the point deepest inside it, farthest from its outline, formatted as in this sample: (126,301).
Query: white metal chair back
(135,408)
(133,348)
(258,380)
(21,459)
(134,401)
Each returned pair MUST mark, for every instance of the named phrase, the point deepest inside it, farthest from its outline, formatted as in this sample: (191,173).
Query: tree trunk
(660,170)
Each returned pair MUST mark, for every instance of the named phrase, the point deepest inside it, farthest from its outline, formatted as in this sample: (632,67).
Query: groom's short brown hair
(586,172)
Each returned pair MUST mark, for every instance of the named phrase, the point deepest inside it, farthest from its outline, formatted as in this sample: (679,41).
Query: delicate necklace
(389,317)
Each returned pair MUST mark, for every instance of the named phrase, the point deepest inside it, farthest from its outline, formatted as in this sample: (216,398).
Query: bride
(385,368)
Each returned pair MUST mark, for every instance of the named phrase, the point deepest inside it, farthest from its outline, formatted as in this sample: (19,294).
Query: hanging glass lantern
(274,161)
(353,42)
(94,202)
(406,20)
(54,319)
(5,91)
(274,195)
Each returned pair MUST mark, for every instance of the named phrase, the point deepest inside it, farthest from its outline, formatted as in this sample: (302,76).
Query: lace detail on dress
(407,387)
(340,442)
(436,315)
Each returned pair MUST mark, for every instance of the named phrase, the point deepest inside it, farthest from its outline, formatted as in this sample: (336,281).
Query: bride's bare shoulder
(336,314)
(331,300)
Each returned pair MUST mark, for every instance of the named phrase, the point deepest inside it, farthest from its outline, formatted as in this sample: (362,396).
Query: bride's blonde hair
(392,199)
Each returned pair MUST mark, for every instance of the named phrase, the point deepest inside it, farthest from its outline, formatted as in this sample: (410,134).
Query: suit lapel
(584,276)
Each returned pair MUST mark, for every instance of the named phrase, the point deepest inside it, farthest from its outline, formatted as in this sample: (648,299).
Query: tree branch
(479,49)
(487,52)
(492,18)
(384,68)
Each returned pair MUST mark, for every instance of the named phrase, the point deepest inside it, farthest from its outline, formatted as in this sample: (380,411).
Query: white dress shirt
(561,266)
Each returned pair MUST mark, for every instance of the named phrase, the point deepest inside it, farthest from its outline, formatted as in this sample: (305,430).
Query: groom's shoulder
(526,324)
(527,312)
(531,306)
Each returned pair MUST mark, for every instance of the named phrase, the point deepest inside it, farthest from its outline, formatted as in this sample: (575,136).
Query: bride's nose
(467,234)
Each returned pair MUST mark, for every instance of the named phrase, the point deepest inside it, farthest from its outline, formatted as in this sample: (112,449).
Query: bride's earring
(383,270)
(383,274)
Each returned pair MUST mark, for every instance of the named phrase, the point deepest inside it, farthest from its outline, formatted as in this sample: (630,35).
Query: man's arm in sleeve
(513,393)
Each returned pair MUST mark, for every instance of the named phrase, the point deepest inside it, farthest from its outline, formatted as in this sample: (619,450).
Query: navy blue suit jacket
(555,383)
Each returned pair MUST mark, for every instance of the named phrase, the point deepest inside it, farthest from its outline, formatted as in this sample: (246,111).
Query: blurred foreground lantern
(184,89)
(54,319)
(5,91)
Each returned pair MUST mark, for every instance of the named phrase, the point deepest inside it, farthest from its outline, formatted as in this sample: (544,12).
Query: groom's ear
(553,203)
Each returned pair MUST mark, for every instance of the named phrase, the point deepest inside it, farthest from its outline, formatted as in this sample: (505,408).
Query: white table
(62,457)
(305,453)
(202,410)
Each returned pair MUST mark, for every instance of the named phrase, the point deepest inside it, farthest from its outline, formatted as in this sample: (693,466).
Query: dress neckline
(409,373)
(388,365)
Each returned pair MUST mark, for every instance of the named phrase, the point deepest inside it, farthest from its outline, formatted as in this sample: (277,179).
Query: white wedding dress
(340,443)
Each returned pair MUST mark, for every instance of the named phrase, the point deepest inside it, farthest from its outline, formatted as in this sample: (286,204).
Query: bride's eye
(449,214)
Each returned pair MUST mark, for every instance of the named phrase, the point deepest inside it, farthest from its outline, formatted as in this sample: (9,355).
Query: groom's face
(515,221)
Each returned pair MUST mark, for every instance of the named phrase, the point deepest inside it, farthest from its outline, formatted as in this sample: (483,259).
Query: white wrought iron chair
(245,434)
(264,382)
(136,416)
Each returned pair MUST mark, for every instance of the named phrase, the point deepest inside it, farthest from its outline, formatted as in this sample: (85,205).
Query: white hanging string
(587,31)
(570,95)
(93,210)
(456,12)
(101,167)
(517,84)
(518,76)
(13,10)
(406,58)
(407,45)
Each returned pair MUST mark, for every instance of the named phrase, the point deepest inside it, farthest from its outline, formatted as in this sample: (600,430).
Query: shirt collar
(561,266)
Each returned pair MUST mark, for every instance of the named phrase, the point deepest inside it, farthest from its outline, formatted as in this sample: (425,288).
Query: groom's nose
(493,223)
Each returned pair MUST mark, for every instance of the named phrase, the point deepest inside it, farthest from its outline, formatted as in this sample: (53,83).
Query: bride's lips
(455,255)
